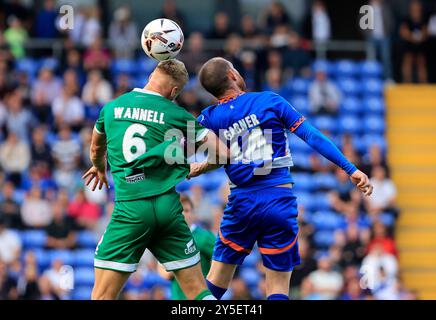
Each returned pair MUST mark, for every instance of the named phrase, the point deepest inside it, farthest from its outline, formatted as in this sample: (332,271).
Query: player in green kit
(205,241)
(136,134)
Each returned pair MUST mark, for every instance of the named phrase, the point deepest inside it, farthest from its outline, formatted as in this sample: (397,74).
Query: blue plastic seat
(373,104)
(324,181)
(351,106)
(387,219)
(87,239)
(371,68)
(65,256)
(83,277)
(350,124)
(321,201)
(82,293)
(146,65)
(370,139)
(305,199)
(298,86)
(325,123)
(250,276)
(324,238)
(324,65)
(124,66)
(327,220)
(298,145)
(30,66)
(42,256)
(301,103)
(301,160)
(303,181)
(50,63)
(372,87)
(346,68)
(349,86)
(83,258)
(374,124)
(33,238)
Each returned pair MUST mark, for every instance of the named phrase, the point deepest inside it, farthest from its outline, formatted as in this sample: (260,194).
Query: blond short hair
(176,70)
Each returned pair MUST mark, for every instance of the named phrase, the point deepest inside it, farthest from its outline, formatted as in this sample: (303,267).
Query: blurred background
(368,90)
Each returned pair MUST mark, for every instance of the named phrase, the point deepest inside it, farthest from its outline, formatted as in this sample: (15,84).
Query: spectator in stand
(296,59)
(123,34)
(10,243)
(380,36)
(16,35)
(431,52)
(9,207)
(317,25)
(249,71)
(96,57)
(381,238)
(239,290)
(28,288)
(40,150)
(353,291)
(249,30)
(354,250)
(327,283)
(378,259)
(45,289)
(68,109)
(84,212)
(324,96)
(71,80)
(280,38)
(170,11)
(46,17)
(54,277)
(342,197)
(233,50)
(194,55)
(123,84)
(97,90)
(19,120)
(307,290)
(384,198)
(274,80)
(374,158)
(136,288)
(73,61)
(38,177)
(221,28)
(8,285)
(308,264)
(35,210)
(189,100)
(45,89)
(275,16)
(92,29)
(60,232)
(414,33)
(14,157)
(66,153)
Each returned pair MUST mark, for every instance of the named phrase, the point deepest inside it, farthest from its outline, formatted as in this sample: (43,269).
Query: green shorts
(154,223)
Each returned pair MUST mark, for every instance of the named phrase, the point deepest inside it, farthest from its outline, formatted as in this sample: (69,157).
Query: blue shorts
(268,217)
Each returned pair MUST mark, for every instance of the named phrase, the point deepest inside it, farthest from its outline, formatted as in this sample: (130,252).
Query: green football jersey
(205,241)
(144,133)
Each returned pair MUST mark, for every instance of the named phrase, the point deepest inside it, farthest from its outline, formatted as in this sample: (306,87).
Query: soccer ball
(162,39)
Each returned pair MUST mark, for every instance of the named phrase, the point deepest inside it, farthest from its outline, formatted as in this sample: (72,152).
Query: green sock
(205,295)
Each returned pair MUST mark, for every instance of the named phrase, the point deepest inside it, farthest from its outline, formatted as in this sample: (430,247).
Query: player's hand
(361,181)
(196,169)
(98,175)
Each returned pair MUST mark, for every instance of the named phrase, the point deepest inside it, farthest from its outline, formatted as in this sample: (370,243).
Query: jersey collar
(147,92)
(230,98)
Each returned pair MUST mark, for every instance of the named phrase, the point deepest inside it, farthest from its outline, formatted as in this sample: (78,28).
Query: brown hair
(176,70)
(213,76)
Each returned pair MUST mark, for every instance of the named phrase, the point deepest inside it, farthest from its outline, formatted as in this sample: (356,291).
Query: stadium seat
(374,124)
(303,181)
(350,124)
(87,239)
(146,65)
(349,86)
(373,104)
(305,200)
(66,256)
(325,123)
(123,66)
(324,181)
(301,160)
(82,293)
(83,258)
(372,87)
(351,106)
(83,276)
(33,238)
(346,68)
(321,201)
(324,238)
(324,65)
(42,257)
(30,66)
(301,103)
(251,276)
(387,219)
(374,139)
(298,86)
(298,145)
(371,68)
(327,220)
(50,63)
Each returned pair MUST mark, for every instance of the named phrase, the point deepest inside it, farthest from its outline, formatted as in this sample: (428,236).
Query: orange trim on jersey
(233,245)
(297,124)
(278,250)
(227,99)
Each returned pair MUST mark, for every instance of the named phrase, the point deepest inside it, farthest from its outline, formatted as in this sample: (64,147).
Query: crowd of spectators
(46,120)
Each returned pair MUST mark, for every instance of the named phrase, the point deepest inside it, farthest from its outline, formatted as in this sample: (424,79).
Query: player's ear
(174,92)
(231,74)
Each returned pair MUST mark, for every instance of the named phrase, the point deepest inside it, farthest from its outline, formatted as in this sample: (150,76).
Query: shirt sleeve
(99,124)
(290,117)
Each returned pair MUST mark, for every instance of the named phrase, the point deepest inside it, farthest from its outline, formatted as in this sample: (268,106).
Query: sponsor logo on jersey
(190,247)
(135,178)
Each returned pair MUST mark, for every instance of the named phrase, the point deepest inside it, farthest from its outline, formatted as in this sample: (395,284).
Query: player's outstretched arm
(97,154)
(328,149)
(217,156)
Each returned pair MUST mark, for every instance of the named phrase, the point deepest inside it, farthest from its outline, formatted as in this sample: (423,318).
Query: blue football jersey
(254,127)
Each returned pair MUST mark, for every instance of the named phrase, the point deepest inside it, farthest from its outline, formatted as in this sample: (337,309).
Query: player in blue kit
(262,207)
